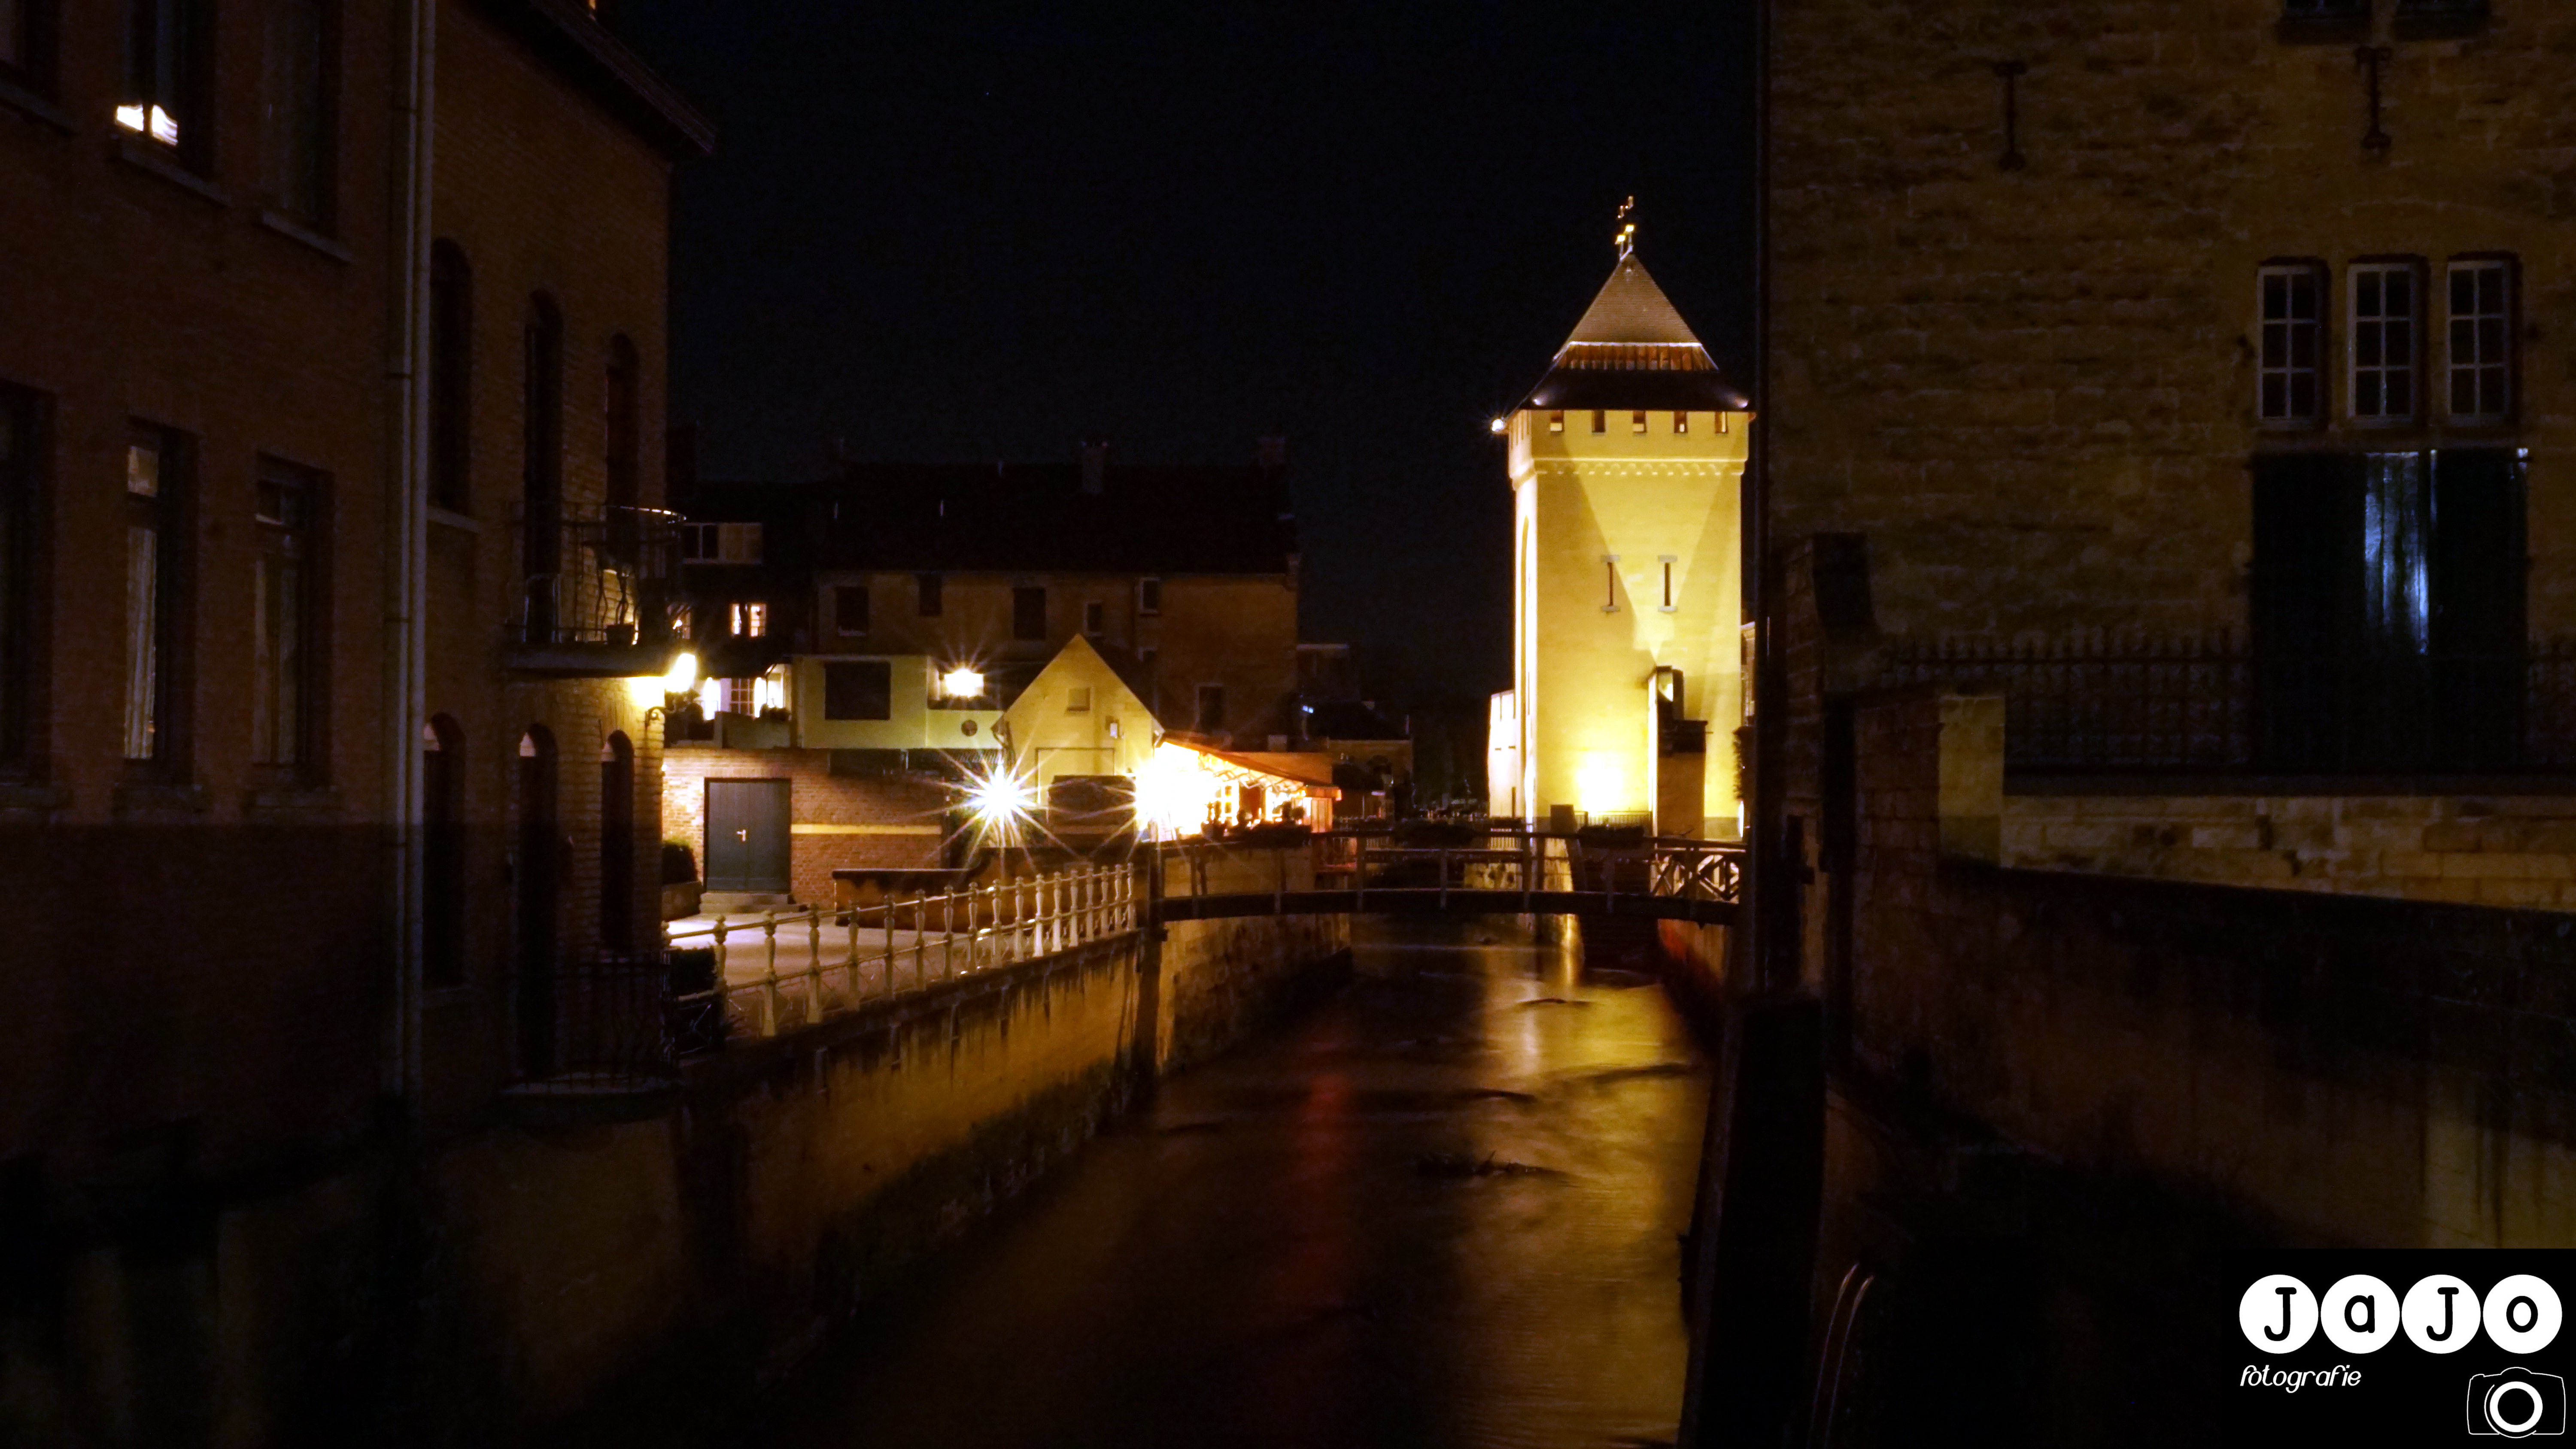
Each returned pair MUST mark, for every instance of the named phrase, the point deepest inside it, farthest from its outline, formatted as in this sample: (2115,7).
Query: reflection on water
(1440,1210)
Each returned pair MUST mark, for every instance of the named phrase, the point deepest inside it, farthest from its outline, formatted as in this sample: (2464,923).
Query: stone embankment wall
(2083,1089)
(2491,850)
(679,1260)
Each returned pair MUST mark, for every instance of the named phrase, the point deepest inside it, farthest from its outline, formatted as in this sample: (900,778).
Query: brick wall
(837,822)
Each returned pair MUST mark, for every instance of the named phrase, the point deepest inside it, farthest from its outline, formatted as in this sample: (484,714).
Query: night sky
(962,231)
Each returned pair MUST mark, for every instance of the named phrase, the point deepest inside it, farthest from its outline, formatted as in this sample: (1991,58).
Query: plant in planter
(679,863)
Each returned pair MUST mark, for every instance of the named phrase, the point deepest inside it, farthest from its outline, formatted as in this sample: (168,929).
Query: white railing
(781,971)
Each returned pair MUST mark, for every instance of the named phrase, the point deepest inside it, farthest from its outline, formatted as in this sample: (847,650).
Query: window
(1211,711)
(1149,596)
(27,44)
(1077,700)
(541,465)
(1600,421)
(1637,422)
(165,82)
(1095,618)
(1556,421)
(720,543)
(22,451)
(2291,389)
(928,587)
(302,152)
(2481,350)
(2383,341)
(442,860)
(858,689)
(1668,604)
(1028,612)
(156,486)
(1609,583)
(451,378)
(624,451)
(285,660)
(1681,424)
(850,608)
(750,619)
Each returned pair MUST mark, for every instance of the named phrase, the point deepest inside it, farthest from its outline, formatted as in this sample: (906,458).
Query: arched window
(624,454)
(617,844)
(539,879)
(451,378)
(442,852)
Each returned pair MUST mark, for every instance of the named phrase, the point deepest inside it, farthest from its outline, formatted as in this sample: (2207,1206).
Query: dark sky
(960,231)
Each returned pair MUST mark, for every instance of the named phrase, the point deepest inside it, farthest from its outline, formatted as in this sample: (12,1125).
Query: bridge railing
(785,970)
(1499,860)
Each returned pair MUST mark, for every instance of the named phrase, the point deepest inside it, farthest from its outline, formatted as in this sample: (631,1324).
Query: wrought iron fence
(597,574)
(610,1029)
(2110,705)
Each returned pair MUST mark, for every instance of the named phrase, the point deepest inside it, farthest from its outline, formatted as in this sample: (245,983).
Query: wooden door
(747,835)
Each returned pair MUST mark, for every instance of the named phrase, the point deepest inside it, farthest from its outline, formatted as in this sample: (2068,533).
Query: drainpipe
(407,519)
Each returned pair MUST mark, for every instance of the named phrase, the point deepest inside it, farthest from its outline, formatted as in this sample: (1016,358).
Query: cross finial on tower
(1627,228)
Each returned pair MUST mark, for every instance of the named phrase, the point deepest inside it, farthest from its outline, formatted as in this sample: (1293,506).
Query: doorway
(747,836)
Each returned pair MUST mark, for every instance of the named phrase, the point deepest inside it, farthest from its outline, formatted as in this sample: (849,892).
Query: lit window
(750,619)
(2481,351)
(769,691)
(2293,326)
(1681,423)
(2383,341)
(283,661)
(1556,421)
(1636,422)
(165,47)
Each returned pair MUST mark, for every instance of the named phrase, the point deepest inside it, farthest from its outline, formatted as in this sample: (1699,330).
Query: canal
(1440,1209)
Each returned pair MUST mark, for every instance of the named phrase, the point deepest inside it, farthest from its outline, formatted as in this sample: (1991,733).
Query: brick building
(281,372)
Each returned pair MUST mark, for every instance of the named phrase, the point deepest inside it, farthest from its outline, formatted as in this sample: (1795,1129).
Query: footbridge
(1511,874)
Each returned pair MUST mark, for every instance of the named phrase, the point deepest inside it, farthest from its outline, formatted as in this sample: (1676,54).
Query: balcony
(596,598)
(2406,721)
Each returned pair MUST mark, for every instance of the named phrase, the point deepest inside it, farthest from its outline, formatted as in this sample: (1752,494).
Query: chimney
(1095,464)
(1274,451)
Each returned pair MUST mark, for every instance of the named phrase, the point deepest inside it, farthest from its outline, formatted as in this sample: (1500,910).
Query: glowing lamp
(684,674)
(1001,801)
(961,683)
(1499,425)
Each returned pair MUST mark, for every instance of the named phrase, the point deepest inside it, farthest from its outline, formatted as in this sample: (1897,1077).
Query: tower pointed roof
(1633,350)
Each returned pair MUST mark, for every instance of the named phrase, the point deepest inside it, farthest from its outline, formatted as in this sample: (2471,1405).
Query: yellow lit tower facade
(1627,678)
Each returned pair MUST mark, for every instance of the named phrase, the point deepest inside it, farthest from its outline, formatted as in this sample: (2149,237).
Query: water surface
(1439,1210)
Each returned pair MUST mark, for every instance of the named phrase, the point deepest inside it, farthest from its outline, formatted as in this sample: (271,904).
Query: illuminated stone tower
(1626,461)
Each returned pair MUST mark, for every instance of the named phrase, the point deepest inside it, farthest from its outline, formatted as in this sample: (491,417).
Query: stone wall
(2034,388)
(2504,851)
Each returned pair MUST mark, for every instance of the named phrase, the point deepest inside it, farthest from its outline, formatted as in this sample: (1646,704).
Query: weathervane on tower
(1627,228)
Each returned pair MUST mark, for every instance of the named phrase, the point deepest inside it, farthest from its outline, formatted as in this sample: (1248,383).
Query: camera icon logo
(2516,1403)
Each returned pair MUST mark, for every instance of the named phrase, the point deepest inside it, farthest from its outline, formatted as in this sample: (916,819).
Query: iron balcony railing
(597,575)
(2215,705)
